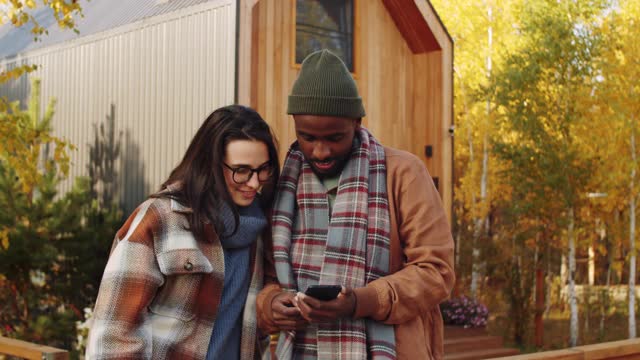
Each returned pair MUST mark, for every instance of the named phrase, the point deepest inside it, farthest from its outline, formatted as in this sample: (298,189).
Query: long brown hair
(200,176)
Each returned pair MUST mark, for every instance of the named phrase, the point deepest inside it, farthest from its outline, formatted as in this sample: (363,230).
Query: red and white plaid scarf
(349,248)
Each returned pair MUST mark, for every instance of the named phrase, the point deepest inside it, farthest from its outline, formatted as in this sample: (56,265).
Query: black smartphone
(323,292)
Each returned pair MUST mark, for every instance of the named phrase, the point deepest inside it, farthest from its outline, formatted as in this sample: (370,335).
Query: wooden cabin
(159,67)
(398,51)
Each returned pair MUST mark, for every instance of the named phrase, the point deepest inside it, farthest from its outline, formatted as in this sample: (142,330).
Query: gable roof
(419,24)
(99,16)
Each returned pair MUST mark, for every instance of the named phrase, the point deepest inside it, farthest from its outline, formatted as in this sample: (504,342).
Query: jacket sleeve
(426,276)
(121,327)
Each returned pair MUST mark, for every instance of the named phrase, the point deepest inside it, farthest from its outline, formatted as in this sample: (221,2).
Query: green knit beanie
(325,87)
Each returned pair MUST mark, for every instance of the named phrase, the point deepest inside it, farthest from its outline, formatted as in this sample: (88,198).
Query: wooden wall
(407,95)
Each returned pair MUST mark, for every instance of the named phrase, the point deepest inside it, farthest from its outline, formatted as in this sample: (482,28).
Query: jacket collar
(176,206)
(179,208)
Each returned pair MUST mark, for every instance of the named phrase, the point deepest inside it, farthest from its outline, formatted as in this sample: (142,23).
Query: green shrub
(53,247)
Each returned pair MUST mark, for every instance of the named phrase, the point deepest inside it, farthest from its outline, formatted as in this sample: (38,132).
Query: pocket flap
(184,261)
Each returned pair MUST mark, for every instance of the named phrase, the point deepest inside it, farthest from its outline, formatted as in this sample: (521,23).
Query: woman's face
(250,160)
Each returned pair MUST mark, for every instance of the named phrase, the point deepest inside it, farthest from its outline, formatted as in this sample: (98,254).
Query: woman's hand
(286,315)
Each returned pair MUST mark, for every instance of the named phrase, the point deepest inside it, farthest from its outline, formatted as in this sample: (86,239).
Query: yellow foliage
(16,73)
(4,239)
(20,13)
(23,133)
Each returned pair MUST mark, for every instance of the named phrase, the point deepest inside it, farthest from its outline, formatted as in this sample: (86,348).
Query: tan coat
(421,264)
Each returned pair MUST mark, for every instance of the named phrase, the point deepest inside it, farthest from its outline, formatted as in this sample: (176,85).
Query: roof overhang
(419,24)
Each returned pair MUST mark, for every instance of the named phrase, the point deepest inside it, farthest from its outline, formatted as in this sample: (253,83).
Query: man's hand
(286,315)
(315,311)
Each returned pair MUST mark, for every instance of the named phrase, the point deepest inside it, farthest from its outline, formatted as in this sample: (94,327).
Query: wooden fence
(615,350)
(30,351)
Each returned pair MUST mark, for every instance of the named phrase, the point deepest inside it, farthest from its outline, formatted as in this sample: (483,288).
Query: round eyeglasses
(242,174)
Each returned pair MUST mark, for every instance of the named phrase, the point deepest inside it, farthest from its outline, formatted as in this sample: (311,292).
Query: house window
(325,24)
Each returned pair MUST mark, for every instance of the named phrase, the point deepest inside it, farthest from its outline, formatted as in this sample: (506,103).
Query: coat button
(188,266)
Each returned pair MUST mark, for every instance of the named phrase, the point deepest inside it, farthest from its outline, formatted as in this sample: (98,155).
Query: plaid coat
(421,264)
(161,290)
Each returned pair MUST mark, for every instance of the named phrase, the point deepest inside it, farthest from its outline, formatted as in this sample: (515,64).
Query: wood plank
(411,100)
(289,75)
(255,55)
(566,354)
(263,32)
(421,112)
(464,344)
(454,332)
(27,350)
(614,350)
(361,62)
(446,96)
(481,354)
(246,40)
(267,108)
(276,105)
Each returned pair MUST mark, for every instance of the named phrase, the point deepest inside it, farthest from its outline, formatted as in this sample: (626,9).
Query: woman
(185,268)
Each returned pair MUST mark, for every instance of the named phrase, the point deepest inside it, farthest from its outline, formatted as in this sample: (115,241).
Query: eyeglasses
(242,174)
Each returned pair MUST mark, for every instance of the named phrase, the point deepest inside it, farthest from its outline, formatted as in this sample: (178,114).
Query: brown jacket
(421,269)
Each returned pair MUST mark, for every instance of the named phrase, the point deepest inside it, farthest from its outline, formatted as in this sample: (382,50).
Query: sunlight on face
(325,141)
(244,154)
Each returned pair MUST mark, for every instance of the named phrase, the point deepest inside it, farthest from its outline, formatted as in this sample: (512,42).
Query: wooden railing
(27,350)
(615,350)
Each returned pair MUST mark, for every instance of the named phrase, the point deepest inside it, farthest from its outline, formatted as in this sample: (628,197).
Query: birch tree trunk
(564,272)
(482,223)
(538,296)
(604,294)
(573,301)
(619,248)
(470,142)
(632,242)
(592,265)
(548,281)
(475,257)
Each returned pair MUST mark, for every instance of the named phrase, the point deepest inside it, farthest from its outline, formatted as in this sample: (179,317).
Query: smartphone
(323,292)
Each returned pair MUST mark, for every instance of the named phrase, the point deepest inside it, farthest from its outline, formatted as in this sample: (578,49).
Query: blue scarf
(227,330)
(251,222)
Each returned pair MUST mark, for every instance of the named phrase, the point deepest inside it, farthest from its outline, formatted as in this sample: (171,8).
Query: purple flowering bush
(464,311)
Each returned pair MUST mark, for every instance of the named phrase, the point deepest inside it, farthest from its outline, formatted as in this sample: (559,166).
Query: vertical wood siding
(162,75)
(407,96)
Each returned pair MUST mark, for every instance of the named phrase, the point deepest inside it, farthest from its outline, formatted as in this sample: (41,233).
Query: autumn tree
(46,278)
(22,13)
(546,156)
(619,95)
(541,90)
(481,41)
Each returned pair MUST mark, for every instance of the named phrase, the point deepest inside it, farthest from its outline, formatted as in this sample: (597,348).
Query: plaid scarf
(349,248)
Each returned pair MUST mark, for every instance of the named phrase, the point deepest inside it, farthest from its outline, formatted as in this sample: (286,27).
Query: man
(351,212)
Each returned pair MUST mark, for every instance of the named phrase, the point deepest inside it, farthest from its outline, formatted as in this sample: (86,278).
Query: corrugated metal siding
(98,16)
(163,78)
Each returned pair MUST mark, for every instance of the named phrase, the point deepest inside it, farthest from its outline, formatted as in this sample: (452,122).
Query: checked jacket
(161,289)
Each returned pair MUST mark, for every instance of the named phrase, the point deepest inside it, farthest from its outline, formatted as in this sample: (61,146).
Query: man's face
(326,141)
